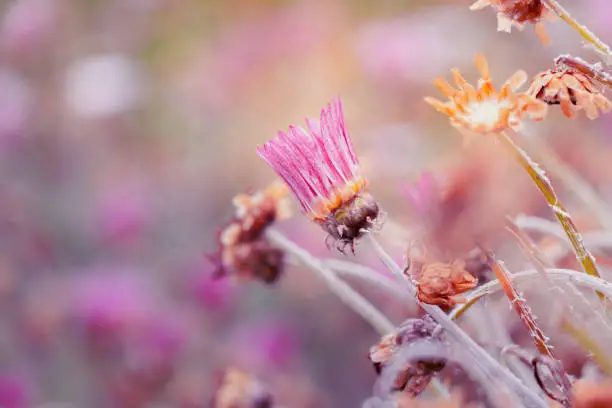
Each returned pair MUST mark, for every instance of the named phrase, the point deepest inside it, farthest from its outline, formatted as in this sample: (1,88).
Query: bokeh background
(126,127)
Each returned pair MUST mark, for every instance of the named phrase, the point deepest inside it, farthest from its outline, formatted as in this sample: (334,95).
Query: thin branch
(544,185)
(336,285)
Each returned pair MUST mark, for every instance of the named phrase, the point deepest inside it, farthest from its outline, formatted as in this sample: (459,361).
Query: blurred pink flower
(113,300)
(245,48)
(14,392)
(270,344)
(15,108)
(27,25)
(411,48)
(213,292)
(123,212)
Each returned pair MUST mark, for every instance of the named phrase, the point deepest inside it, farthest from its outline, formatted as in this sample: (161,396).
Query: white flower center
(487,112)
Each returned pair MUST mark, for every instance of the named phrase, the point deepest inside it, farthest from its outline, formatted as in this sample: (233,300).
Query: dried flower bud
(237,389)
(515,13)
(573,90)
(244,252)
(415,375)
(441,283)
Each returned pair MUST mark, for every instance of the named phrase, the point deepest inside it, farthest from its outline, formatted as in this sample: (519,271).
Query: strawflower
(515,13)
(483,110)
(321,168)
(443,283)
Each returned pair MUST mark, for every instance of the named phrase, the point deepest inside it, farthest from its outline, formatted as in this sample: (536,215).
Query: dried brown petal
(572,90)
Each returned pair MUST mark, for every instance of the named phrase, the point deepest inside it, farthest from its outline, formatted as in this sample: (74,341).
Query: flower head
(484,110)
(571,89)
(321,168)
(244,252)
(518,12)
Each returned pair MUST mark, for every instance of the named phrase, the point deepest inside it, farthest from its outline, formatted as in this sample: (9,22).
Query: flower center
(487,112)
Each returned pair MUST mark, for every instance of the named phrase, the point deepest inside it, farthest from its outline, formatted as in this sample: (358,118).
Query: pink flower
(321,168)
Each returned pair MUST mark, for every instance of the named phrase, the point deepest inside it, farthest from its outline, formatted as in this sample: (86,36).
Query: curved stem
(494,286)
(336,285)
(370,276)
(582,30)
(544,185)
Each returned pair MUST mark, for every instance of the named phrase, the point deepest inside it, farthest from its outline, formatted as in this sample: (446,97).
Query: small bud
(441,284)
(238,389)
(416,375)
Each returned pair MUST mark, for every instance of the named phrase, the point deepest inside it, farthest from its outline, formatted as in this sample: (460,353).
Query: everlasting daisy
(482,109)
(573,90)
(321,168)
(515,13)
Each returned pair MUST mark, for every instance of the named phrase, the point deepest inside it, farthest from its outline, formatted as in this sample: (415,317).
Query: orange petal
(516,80)
(444,87)
(540,30)
(483,66)
(458,78)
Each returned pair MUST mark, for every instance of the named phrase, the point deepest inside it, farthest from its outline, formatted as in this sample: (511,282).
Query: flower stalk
(545,186)
(584,32)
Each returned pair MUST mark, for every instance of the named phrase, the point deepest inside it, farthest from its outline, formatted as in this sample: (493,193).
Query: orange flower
(518,12)
(573,90)
(483,110)
(441,284)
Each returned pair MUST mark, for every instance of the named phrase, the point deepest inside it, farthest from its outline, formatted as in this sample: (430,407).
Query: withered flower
(244,251)
(415,375)
(238,389)
(571,89)
(483,110)
(515,13)
(442,284)
(321,168)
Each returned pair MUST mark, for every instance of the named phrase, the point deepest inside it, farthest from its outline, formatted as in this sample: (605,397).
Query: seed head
(321,168)
(483,110)
(572,90)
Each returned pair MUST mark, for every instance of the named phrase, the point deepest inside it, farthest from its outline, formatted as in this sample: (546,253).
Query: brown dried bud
(518,12)
(237,389)
(441,283)
(244,252)
(573,90)
(416,375)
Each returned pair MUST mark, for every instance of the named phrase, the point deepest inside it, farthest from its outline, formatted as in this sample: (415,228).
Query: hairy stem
(350,297)
(545,186)
(584,32)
